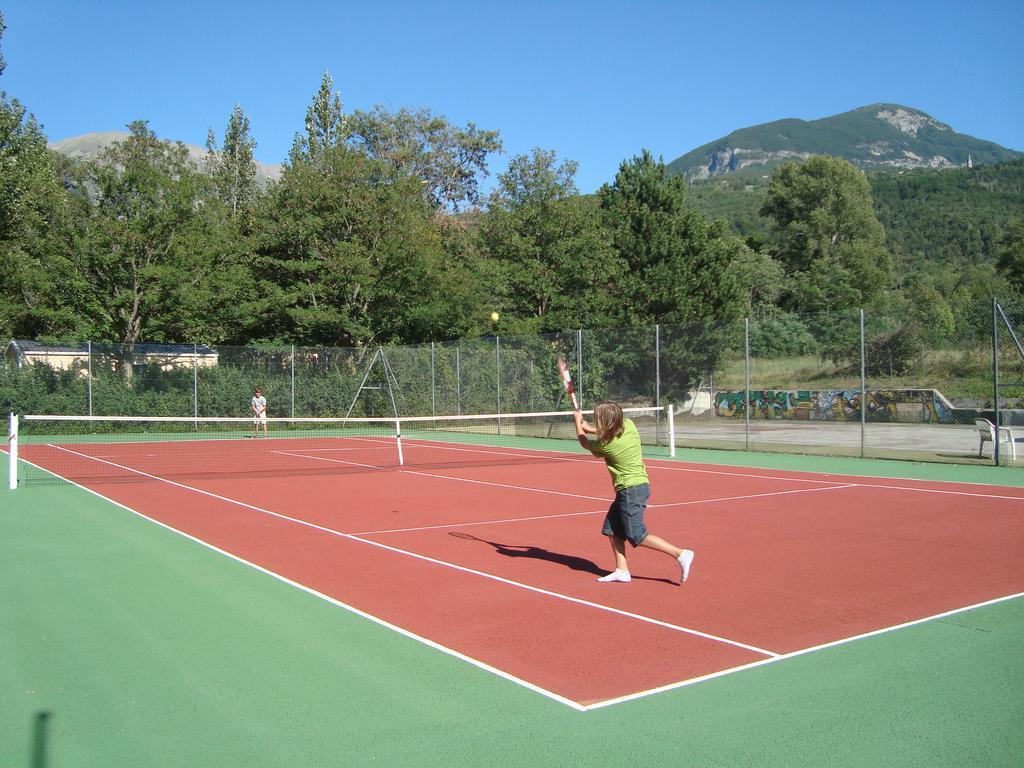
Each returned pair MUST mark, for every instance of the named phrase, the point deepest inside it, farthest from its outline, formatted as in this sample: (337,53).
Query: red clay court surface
(494,559)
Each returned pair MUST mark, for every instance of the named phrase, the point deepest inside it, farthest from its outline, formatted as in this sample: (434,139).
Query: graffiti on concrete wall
(883,405)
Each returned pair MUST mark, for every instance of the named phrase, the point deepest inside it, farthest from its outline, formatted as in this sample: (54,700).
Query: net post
(398,440)
(12,451)
(671,413)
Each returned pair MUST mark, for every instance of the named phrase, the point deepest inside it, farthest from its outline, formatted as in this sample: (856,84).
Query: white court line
(801,652)
(658,463)
(595,512)
(352,537)
(752,496)
(322,458)
(939,490)
(504,485)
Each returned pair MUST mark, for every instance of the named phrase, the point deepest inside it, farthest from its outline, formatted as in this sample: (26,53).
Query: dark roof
(23,345)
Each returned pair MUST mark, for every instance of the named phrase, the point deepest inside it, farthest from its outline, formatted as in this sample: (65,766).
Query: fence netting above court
(904,384)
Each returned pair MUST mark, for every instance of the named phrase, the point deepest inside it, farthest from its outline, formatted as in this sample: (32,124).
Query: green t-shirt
(624,457)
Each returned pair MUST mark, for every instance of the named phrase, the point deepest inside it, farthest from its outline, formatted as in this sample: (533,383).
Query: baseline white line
(352,537)
(801,652)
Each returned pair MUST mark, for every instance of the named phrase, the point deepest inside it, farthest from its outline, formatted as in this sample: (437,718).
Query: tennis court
(477,555)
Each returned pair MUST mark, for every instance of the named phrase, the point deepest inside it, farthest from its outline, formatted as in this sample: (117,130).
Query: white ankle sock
(617,575)
(685,561)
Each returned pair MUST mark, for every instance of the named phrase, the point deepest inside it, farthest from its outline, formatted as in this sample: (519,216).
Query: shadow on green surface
(40,735)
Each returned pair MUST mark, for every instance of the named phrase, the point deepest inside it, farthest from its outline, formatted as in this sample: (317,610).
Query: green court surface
(126,644)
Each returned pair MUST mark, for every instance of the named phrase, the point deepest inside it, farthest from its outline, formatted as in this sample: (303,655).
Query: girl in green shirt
(616,440)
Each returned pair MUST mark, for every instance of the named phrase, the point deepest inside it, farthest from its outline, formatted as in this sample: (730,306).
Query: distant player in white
(259,412)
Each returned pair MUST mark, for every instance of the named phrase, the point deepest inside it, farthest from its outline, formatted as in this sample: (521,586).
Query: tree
(553,266)
(326,127)
(350,254)
(145,194)
(448,160)
(232,168)
(37,278)
(678,267)
(678,264)
(827,235)
(1011,253)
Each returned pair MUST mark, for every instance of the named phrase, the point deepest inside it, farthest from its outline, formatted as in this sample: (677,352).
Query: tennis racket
(563,370)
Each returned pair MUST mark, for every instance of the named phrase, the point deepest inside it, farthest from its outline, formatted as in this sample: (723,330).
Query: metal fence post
(293,381)
(657,379)
(12,451)
(88,385)
(458,381)
(195,385)
(995,380)
(863,385)
(433,391)
(579,365)
(746,383)
(497,374)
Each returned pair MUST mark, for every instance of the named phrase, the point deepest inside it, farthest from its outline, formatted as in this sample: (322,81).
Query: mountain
(90,145)
(879,136)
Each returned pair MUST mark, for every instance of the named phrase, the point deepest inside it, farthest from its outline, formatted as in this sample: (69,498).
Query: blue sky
(595,81)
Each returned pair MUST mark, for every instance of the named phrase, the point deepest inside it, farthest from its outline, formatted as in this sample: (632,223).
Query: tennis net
(106,449)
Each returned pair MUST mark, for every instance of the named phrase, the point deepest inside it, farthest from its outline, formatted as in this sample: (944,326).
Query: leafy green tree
(326,127)
(350,253)
(679,266)
(144,194)
(450,161)
(552,263)
(232,168)
(827,235)
(37,278)
(1011,253)
(678,269)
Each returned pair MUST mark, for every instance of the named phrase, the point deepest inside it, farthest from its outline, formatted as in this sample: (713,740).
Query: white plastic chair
(987,433)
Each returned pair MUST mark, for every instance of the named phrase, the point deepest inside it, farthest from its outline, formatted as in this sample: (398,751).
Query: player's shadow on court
(538,553)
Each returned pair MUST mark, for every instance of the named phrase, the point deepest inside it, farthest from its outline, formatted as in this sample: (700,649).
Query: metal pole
(458,381)
(863,386)
(995,380)
(195,385)
(497,356)
(579,365)
(88,386)
(433,392)
(293,381)
(657,379)
(12,451)
(746,382)
(671,431)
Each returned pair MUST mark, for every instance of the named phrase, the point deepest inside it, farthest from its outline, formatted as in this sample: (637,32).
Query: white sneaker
(622,576)
(685,561)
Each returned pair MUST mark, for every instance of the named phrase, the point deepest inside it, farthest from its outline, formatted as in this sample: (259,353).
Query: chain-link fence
(902,385)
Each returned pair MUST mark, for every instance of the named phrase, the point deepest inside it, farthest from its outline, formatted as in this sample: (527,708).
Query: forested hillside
(935,220)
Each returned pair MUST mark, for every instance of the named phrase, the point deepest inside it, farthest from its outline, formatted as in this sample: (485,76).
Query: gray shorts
(625,518)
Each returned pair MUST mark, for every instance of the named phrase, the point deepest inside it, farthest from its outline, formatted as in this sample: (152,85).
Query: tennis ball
(494,316)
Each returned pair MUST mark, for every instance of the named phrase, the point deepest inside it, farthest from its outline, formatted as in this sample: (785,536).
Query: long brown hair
(608,415)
